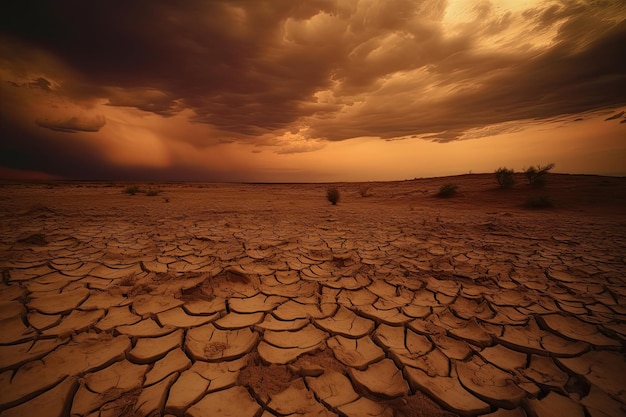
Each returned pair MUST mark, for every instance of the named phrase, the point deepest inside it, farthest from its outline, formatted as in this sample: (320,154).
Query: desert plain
(265,300)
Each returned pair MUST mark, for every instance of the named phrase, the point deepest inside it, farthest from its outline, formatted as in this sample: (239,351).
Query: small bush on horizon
(447,190)
(505,178)
(539,202)
(536,176)
(132,189)
(364,190)
(332,194)
(152,192)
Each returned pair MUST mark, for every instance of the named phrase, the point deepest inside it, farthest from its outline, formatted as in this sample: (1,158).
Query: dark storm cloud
(575,75)
(615,116)
(149,100)
(71,157)
(220,57)
(253,67)
(73,124)
(40,83)
(20,149)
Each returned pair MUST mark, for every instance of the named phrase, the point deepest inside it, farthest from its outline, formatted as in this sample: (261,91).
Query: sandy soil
(266,300)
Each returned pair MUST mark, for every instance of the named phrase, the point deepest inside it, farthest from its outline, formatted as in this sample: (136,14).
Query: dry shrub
(132,189)
(365,190)
(448,190)
(537,176)
(332,194)
(505,178)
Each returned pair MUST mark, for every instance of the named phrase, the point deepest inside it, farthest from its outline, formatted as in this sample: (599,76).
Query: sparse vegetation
(365,190)
(332,194)
(537,176)
(135,189)
(132,189)
(448,190)
(505,177)
(539,202)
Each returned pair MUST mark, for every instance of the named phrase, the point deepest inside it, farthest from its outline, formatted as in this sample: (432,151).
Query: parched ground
(266,300)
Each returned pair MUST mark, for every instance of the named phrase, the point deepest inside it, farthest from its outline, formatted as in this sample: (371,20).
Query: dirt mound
(37,239)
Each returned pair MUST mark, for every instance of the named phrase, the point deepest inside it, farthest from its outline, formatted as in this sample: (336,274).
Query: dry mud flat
(265,300)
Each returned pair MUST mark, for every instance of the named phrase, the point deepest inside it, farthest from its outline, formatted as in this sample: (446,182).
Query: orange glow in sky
(311,90)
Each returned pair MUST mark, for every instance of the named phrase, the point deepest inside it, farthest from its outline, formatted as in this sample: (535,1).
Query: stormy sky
(310,90)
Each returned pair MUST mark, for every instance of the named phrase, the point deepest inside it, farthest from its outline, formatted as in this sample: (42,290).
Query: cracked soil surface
(265,300)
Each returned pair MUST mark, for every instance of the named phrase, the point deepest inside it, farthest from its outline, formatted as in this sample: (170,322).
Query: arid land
(266,300)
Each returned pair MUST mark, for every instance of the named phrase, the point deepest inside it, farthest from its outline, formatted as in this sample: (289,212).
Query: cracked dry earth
(265,300)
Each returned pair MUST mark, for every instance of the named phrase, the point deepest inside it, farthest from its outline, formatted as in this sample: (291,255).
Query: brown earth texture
(265,300)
